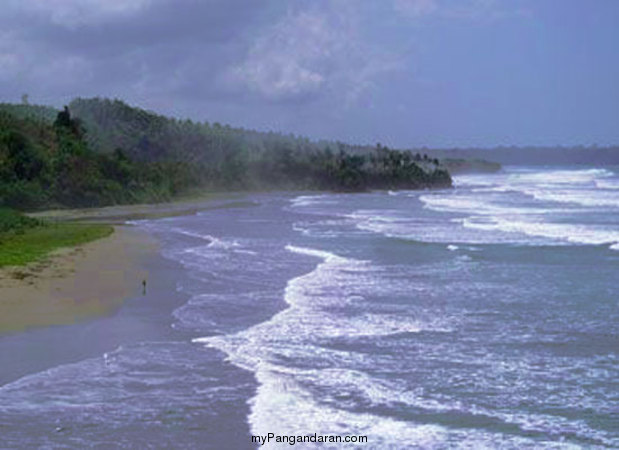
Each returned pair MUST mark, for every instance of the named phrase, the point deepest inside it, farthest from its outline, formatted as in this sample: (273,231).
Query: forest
(98,152)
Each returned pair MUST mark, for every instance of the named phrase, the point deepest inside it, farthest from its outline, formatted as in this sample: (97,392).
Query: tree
(65,122)
(63,119)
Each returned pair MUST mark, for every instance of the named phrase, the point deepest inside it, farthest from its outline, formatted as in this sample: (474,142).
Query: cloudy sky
(401,72)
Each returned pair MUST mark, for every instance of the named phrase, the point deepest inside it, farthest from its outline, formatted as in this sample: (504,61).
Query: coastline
(77,283)
(120,214)
(90,330)
(135,365)
(94,279)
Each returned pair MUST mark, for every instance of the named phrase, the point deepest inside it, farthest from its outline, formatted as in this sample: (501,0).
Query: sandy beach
(75,283)
(93,279)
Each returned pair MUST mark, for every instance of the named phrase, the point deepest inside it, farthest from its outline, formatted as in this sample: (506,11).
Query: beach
(75,283)
(124,363)
(427,319)
(93,279)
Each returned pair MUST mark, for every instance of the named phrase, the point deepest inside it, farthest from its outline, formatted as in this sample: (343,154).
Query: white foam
(452,248)
(312,252)
(379,215)
(571,177)
(310,200)
(295,333)
(573,233)
(590,198)
(282,404)
(472,180)
(206,237)
(612,184)
(222,244)
(493,205)
(213,242)
(468,204)
(435,231)
(323,228)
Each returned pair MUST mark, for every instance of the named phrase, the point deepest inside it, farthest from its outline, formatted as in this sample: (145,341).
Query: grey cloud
(262,50)
(311,53)
(327,68)
(155,46)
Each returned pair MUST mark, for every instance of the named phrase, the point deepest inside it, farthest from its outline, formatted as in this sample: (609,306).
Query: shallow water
(483,316)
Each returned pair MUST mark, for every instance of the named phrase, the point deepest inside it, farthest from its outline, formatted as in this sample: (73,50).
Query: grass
(27,244)
(11,220)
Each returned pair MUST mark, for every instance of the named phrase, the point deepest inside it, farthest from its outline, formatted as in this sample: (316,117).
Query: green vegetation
(11,220)
(51,165)
(24,240)
(26,111)
(101,152)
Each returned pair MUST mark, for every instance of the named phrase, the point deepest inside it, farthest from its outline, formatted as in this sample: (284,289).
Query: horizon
(320,139)
(527,74)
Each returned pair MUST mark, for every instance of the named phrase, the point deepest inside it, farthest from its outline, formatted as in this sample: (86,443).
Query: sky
(405,73)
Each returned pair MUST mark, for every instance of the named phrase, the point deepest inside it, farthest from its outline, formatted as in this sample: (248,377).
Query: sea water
(481,316)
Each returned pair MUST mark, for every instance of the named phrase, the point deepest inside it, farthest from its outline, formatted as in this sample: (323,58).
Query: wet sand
(87,300)
(112,311)
(76,283)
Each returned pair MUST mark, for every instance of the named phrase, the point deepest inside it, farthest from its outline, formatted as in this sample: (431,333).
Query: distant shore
(76,283)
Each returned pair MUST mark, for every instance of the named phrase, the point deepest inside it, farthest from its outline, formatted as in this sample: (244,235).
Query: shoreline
(91,329)
(75,283)
(91,280)
(121,214)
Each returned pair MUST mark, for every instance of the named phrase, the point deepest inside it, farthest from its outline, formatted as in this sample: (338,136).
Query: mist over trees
(101,152)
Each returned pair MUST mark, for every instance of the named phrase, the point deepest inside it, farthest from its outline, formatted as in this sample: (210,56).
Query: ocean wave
(205,237)
(473,180)
(317,253)
(612,184)
(283,404)
(323,228)
(222,243)
(297,333)
(470,205)
(213,242)
(570,233)
(437,231)
(589,198)
(561,177)
(311,200)
(380,215)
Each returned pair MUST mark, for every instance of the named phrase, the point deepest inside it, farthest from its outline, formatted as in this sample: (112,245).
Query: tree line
(102,152)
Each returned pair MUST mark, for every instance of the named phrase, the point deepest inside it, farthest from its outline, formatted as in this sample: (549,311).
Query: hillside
(45,114)
(101,152)
(43,165)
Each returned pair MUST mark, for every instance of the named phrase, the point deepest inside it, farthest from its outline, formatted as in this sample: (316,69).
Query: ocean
(483,316)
